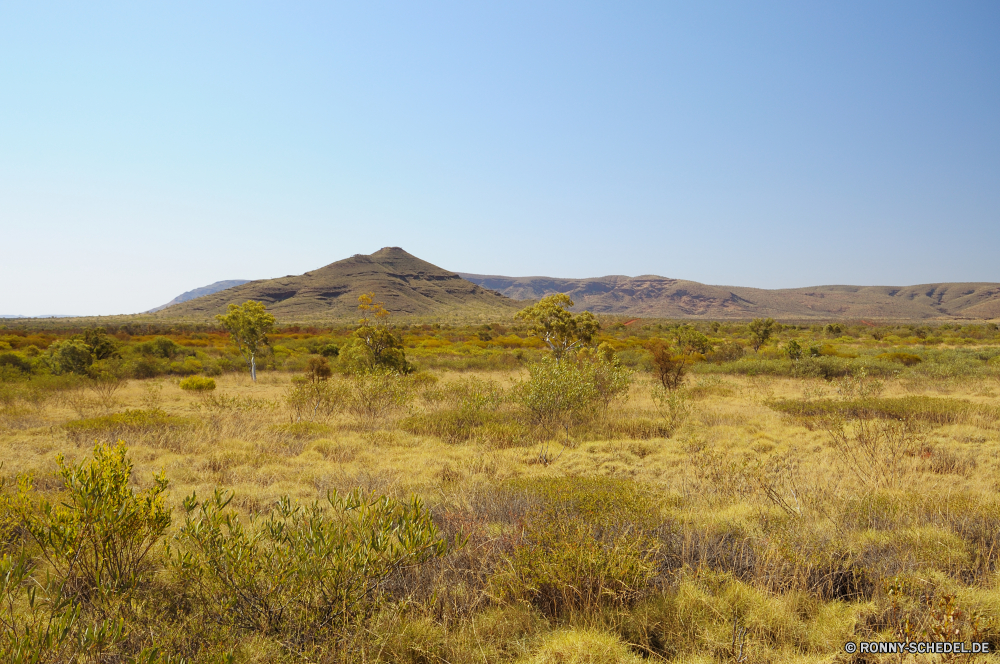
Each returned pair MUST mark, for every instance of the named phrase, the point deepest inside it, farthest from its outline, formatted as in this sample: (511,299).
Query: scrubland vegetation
(540,489)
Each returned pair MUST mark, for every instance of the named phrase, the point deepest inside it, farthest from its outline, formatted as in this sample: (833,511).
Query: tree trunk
(253,368)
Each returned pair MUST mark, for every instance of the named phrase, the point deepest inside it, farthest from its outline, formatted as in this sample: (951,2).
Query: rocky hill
(407,285)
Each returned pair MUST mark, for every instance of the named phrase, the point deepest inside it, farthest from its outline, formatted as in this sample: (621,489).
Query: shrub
(98,535)
(70,357)
(729,351)
(557,394)
(373,398)
(673,407)
(906,359)
(303,572)
(15,362)
(669,367)
(318,397)
(198,384)
(94,543)
(329,350)
(160,347)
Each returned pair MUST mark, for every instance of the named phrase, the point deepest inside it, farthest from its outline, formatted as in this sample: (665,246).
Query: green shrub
(906,359)
(198,384)
(315,398)
(93,545)
(374,398)
(70,357)
(562,394)
(16,362)
(160,347)
(303,572)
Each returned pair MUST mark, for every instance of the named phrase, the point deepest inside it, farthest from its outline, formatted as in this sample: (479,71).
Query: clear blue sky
(150,148)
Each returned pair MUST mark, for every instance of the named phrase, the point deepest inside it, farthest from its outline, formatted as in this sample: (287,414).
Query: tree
(101,346)
(382,348)
(670,367)
(70,356)
(761,330)
(793,350)
(561,331)
(690,340)
(248,325)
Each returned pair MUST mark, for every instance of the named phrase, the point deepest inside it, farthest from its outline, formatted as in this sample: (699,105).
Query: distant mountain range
(413,287)
(200,292)
(653,296)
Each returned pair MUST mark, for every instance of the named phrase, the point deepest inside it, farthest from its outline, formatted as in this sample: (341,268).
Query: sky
(150,148)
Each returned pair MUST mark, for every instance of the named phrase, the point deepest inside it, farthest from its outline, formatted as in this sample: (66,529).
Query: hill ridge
(663,297)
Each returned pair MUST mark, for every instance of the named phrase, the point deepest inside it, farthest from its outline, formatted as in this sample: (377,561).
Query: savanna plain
(549,488)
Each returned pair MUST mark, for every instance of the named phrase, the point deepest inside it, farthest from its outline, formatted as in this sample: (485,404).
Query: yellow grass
(738,553)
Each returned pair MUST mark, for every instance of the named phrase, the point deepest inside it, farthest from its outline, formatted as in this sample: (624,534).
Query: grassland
(729,522)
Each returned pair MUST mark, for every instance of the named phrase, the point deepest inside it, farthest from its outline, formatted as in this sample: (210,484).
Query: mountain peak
(407,285)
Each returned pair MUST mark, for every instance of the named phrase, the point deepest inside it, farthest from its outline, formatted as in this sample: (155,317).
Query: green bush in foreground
(92,548)
(198,384)
(304,571)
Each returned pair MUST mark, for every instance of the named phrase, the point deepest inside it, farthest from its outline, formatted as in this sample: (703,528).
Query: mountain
(198,292)
(407,285)
(653,296)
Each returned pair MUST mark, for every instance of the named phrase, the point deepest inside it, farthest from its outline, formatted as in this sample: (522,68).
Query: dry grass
(758,521)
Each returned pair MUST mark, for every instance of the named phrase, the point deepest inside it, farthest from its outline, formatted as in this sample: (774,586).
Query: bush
(70,357)
(906,359)
(160,347)
(558,394)
(375,397)
(303,572)
(97,536)
(92,545)
(198,384)
(16,362)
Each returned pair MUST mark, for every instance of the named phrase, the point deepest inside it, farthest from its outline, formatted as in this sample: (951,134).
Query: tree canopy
(376,347)
(561,330)
(248,325)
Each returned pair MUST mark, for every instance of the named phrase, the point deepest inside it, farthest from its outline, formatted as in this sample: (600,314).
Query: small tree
(101,346)
(690,340)
(382,349)
(248,325)
(561,331)
(793,350)
(761,329)
(670,367)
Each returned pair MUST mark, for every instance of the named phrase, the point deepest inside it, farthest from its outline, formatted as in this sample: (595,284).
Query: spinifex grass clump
(586,543)
(124,425)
